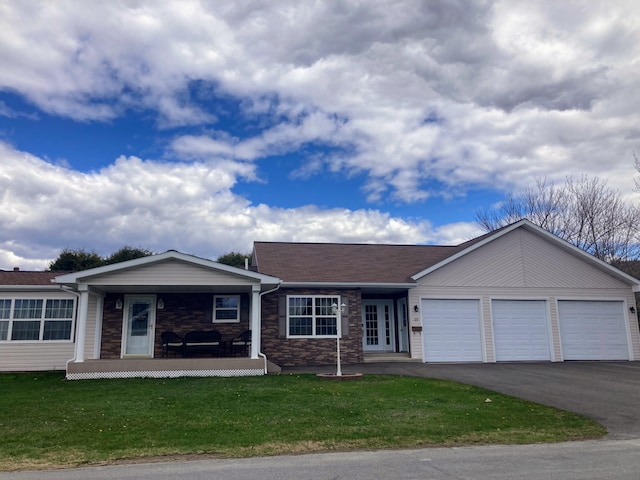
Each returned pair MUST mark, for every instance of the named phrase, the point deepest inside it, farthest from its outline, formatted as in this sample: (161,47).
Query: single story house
(515,294)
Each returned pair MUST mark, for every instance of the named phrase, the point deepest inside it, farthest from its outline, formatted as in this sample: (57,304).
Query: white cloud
(282,138)
(491,72)
(160,206)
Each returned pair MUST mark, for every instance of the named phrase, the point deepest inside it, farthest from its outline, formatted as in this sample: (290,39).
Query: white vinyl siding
(593,330)
(521,330)
(522,259)
(35,356)
(451,330)
(171,272)
(90,348)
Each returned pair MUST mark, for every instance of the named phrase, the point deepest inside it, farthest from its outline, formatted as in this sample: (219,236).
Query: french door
(138,325)
(378,326)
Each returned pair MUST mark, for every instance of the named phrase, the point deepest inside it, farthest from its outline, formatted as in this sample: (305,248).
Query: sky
(204,126)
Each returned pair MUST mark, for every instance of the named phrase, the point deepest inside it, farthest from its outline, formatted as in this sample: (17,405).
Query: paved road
(602,460)
(608,392)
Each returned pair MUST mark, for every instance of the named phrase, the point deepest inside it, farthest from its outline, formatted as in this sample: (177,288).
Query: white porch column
(255,321)
(81,322)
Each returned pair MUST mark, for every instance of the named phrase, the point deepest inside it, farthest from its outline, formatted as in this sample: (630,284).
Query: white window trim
(337,300)
(226,320)
(42,318)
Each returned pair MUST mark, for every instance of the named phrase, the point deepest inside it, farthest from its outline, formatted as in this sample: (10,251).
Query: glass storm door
(139,325)
(378,328)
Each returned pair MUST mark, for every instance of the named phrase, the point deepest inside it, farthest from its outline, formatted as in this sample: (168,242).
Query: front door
(139,325)
(378,326)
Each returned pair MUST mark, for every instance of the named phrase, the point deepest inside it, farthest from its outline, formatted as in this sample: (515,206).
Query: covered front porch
(127,311)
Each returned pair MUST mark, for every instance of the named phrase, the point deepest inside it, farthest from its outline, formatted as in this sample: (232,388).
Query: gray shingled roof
(347,263)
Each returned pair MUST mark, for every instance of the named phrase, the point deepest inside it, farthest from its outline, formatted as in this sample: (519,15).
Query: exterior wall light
(119,304)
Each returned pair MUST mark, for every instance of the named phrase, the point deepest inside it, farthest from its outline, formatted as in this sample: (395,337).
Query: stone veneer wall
(311,351)
(182,313)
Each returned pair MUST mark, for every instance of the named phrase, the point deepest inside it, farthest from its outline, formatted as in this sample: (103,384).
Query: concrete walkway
(607,392)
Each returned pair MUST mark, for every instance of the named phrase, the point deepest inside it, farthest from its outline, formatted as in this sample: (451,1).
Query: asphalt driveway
(608,392)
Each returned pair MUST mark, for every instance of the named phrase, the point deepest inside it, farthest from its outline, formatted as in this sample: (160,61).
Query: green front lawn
(47,421)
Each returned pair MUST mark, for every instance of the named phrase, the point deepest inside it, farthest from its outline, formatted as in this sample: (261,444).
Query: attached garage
(593,330)
(521,330)
(451,330)
(539,298)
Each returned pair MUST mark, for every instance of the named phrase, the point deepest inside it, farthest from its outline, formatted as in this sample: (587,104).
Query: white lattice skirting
(248,372)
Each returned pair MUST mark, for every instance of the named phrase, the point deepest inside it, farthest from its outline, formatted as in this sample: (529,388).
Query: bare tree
(545,205)
(583,211)
(636,164)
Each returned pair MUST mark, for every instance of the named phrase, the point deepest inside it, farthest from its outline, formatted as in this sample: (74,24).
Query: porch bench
(199,342)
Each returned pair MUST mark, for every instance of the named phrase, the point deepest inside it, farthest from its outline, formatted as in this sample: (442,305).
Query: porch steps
(383,357)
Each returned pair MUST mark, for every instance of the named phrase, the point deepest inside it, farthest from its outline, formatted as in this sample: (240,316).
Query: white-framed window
(36,319)
(226,309)
(5,316)
(312,316)
(58,319)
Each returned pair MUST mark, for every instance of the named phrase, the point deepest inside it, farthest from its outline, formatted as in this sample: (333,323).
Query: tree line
(75,260)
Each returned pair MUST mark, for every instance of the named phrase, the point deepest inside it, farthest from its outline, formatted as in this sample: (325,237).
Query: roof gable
(552,241)
(169,268)
(521,259)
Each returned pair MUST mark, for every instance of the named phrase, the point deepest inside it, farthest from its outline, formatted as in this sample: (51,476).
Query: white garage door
(521,330)
(451,331)
(593,330)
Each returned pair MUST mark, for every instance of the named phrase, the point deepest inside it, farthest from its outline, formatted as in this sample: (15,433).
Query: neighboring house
(37,320)
(516,294)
